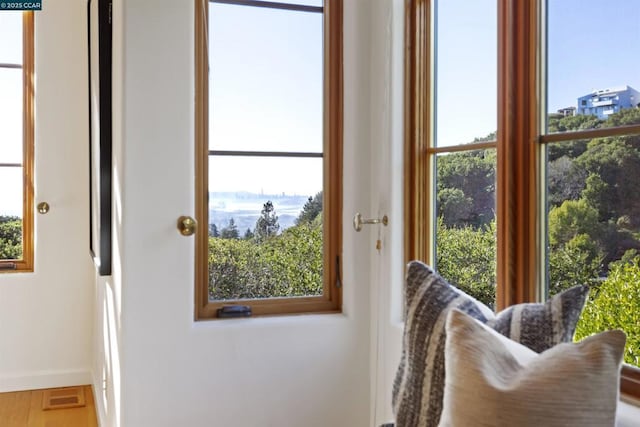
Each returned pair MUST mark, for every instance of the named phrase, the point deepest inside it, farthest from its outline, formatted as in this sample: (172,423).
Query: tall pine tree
(267,225)
(230,231)
(311,209)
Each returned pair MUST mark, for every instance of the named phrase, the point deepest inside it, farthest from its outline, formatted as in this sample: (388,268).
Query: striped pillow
(493,381)
(419,384)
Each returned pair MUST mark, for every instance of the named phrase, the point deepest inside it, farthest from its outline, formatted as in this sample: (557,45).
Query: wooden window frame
(331,299)
(520,144)
(25,264)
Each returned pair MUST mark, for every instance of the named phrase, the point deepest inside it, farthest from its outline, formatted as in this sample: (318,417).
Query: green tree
(615,240)
(213,231)
(570,219)
(578,262)
(596,194)
(469,177)
(248,235)
(454,206)
(627,116)
(615,304)
(489,137)
(10,237)
(466,257)
(571,149)
(267,224)
(617,165)
(565,181)
(311,209)
(230,231)
(570,123)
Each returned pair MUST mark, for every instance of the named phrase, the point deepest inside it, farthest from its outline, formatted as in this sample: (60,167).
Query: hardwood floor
(24,409)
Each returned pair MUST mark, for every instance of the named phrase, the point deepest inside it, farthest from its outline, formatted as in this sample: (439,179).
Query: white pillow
(494,381)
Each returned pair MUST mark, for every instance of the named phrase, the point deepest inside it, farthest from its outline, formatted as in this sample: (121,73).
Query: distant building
(567,112)
(605,102)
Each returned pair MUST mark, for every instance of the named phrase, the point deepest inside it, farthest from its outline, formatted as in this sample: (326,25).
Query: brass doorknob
(43,207)
(187,225)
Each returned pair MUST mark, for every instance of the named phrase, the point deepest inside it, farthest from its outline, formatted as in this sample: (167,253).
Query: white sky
(466,70)
(265,95)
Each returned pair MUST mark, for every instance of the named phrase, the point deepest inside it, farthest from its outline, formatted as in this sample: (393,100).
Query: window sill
(15,267)
(273,320)
(630,384)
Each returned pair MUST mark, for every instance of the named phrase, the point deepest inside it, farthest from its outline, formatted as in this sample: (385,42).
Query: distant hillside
(245,208)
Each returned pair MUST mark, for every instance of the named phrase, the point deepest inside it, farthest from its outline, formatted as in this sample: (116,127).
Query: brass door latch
(187,225)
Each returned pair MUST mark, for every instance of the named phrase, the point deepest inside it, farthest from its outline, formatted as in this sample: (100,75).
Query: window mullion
(272,5)
(418,232)
(28,72)
(201,159)
(299,154)
(517,186)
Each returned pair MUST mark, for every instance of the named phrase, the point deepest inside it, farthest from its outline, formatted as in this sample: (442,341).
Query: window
(16,141)
(565,197)
(268,156)
(465,202)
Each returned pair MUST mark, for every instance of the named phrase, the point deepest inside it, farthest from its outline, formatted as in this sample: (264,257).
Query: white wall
(46,316)
(386,88)
(161,368)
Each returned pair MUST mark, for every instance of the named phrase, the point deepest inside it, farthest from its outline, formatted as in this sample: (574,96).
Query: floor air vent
(60,398)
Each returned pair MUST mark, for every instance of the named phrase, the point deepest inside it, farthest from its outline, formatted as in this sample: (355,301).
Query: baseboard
(44,379)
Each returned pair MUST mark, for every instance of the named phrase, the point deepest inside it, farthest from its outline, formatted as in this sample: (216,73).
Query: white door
(311,370)
(384,244)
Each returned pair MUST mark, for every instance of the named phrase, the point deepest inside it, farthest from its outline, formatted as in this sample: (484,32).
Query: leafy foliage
(572,218)
(466,188)
(615,304)
(578,262)
(454,206)
(10,237)
(569,123)
(565,181)
(613,167)
(466,257)
(311,209)
(286,265)
(627,116)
